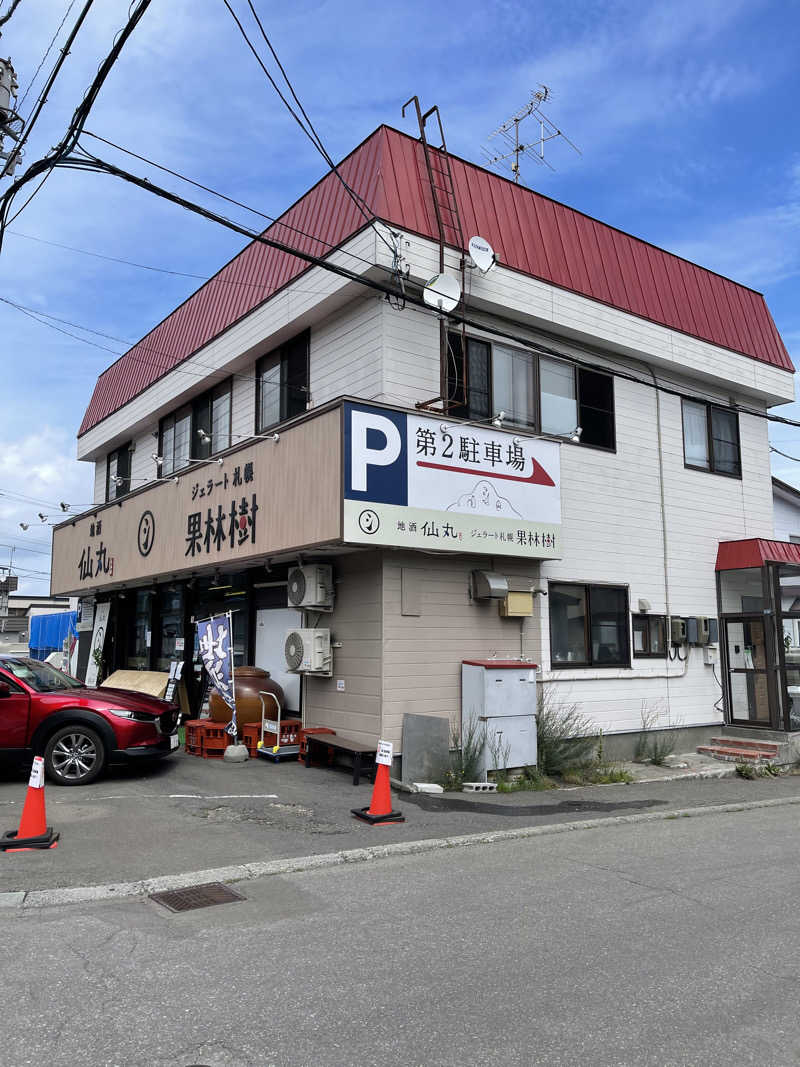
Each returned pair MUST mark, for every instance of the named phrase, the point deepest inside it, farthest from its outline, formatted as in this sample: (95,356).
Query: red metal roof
(529,232)
(755,552)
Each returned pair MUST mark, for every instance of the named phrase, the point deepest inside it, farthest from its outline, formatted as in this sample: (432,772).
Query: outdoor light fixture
(117,480)
(498,419)
(43,517)
(24,525)
(575,436)
(63,506)
(156,458)
(204,437)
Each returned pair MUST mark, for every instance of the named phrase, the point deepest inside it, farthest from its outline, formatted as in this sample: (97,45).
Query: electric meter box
(698,630)
(498,699)
(677,630)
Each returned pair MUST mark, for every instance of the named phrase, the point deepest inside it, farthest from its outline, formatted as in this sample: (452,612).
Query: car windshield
(39,676)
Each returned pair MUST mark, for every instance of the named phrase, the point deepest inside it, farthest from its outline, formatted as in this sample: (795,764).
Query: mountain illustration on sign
(484,500)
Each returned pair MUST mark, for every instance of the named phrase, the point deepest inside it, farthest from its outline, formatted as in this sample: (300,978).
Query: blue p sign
(375,455)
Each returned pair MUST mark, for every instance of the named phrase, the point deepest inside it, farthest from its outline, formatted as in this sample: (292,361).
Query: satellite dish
(442,292)
(482,254)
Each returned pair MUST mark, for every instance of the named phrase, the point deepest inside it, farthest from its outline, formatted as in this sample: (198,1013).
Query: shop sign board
(84,621)
(98,641)
(420,482)
(261,499)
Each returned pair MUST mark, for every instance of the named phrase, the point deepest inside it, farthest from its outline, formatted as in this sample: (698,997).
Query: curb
(42,898)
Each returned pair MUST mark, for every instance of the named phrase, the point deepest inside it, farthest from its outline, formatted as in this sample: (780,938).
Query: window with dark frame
(588,625)
(118,472)
(711,438)
(180,441)
(282,383)
(541,393)
(649,636)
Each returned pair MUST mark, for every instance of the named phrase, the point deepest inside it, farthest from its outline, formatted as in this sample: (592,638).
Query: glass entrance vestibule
(759,609)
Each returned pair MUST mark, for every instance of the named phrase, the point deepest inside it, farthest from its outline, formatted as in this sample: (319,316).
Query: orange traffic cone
(380,809)
(33,829)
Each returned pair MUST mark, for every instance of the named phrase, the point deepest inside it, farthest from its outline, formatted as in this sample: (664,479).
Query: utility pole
(10,121)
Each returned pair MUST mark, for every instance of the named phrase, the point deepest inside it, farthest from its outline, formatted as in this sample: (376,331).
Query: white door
(272,625)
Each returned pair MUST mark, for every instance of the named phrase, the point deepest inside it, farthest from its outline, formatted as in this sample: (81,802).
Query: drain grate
(197,896)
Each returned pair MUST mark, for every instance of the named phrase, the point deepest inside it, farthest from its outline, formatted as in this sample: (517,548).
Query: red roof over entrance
(755,552)
(529,232)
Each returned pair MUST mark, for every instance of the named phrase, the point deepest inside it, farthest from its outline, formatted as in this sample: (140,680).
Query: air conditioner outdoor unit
(311,587)
(309,652)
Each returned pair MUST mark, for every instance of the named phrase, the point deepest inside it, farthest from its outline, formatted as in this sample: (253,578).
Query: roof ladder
(448,224)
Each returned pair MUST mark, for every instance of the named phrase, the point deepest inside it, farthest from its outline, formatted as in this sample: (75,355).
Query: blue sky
(684,112)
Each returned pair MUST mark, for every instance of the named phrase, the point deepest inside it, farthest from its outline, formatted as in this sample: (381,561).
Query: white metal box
(499,697)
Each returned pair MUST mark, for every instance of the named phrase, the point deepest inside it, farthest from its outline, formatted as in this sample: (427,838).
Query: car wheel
(74,755)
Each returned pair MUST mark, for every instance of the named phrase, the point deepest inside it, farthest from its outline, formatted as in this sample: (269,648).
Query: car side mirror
(5,689)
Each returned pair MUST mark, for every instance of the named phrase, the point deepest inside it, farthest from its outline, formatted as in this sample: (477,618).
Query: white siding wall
(243,405)
(345,352)
(410,355)
(613,534)
(787,517)
(541,305)
(100,481)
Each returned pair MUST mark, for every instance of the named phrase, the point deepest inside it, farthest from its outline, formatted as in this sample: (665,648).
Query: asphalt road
(185,814)
(662,943)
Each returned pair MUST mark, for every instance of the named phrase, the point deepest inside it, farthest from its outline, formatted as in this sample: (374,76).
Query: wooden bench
(324,744)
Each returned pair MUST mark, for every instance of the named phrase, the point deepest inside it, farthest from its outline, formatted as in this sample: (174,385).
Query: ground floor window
(588,625)
(649,635)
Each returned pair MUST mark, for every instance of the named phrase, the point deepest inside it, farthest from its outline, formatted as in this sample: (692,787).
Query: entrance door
(748,672)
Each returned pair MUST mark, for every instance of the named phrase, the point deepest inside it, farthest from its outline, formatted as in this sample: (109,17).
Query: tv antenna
(509,132)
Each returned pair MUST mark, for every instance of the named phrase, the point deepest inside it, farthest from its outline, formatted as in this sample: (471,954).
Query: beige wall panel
(297,483)
(422,654)
(356,622)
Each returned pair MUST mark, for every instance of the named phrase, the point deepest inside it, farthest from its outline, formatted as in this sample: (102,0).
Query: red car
(79,730)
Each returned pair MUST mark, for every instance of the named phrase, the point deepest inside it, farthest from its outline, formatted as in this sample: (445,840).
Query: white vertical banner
(98,641)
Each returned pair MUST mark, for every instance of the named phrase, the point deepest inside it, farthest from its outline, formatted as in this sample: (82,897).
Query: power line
(229,200)
(46,54)
(310,132)
(70,138)
(34,115)
(4,18)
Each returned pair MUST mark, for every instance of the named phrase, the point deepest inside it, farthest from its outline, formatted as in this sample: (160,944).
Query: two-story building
(586,423)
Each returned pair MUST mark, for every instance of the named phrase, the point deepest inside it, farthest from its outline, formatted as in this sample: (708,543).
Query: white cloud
(37,473)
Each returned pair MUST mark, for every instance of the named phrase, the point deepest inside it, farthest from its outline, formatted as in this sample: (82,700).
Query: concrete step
(770,747)
(736,753)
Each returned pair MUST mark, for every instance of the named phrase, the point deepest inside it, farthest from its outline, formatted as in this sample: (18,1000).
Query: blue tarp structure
(47,633)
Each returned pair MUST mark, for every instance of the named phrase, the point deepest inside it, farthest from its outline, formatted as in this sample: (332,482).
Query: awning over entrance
(755,552)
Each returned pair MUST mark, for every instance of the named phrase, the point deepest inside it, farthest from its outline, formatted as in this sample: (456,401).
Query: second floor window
(197,430)
(711,438)
(538,392)
(118,472)
(282,383)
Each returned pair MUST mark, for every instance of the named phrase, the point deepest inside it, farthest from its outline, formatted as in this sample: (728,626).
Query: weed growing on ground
(597,774)
(565,737)
(530,779)
(751,771)
(466,748)
(654,746)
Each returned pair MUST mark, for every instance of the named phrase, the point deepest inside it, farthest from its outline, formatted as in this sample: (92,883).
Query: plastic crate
(194,734)
(311,730)
(290,729)
(214,748)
